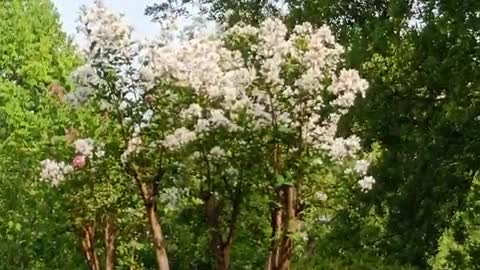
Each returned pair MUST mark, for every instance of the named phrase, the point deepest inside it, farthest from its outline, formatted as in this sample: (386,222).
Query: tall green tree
(34,51)
(35,56)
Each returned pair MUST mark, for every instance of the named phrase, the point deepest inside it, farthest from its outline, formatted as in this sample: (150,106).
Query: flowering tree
(89,205)
(282,97)
(91,181)
(298,99)
(247,110)
(56,172)
(121,91)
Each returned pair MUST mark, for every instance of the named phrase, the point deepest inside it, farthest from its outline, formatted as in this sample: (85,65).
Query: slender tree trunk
(155,227)
(276,225)
(284,223)
(216,243)
(290,227)
(225,251)
(88,246)
(86,251)
(222,256)
(220,248)
(148,192)
(157,237)
(109,244)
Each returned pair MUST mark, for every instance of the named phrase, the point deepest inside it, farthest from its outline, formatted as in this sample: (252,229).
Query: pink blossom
(79,161)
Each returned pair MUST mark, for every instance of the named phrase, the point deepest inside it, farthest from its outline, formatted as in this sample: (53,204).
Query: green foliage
(459,245)
(34,222)
(248,11)
(35,231)
(354,261)
(33,49)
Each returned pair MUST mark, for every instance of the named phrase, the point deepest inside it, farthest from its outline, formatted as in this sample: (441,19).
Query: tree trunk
(109,245)
(284,223)
(222,257)
(220,248)
(148,192)
(155,227)
(88,246)
(276,224)
(157,238)
(290,227)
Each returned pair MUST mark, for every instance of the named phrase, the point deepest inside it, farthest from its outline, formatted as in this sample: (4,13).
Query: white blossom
(54,172)
(103,27)
(194,110)
(196,155)
(361,166)
(303,29)
(85,147)
(100,151)
(218,118)
(323,52)
(272,33)
(348,81)
(341,148)
(271,69)
(366,183)
(231,171)
(309,81)
(134,146)
(171,196)
(217,152)
(78,96)
(85,76)
(180,137)
(242,30)
(202,125)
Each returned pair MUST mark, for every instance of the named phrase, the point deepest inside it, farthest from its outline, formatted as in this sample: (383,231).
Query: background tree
(33,53)
(35,228)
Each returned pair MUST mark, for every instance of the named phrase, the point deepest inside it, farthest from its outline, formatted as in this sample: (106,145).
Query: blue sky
(132,9)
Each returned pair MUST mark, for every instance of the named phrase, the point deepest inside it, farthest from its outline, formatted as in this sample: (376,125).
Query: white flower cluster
(103,28)
(88,148)
(366,183)
(84,147)
(84,77)
(54,172)
(283,81)
(180,137)
(79,96)
(361,168)
(346,86)
(134,147)
(109,48)
(172,197)
(341,148)
(217,152)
